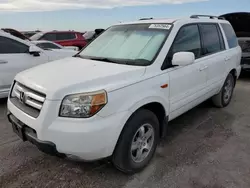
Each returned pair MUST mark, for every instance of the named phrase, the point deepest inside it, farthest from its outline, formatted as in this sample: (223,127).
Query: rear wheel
(137,143)
(224,97)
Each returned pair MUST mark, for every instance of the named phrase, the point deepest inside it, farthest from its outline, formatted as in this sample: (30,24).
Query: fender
(148,100)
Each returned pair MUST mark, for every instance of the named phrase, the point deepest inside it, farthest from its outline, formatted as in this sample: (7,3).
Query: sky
(83,15)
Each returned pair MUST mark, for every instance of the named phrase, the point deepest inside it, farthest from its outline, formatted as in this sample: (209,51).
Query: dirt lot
(205,148)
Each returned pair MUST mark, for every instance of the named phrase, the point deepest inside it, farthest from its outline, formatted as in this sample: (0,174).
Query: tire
(125,158)
(220,100)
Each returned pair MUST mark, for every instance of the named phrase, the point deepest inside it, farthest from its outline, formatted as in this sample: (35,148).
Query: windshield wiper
(136,62)
(105,59)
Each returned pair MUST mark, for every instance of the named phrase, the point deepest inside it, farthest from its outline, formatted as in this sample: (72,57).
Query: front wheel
(224,97)
(137,143)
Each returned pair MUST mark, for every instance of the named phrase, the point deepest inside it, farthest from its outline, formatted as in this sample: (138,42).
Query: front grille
(27,100)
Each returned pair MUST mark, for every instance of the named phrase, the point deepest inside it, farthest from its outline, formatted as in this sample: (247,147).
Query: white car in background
(49,45)
(17,55)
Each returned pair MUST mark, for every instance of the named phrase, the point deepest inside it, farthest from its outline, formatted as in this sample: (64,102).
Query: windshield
(136,44)
(47,45)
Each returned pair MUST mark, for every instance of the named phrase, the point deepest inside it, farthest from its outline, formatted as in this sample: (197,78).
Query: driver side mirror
(183,58)
(34,50)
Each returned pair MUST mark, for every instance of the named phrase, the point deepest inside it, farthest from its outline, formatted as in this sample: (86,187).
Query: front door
(187,83)
(14,58)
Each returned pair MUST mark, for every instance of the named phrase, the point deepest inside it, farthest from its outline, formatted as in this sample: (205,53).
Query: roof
(62,32)
(174,20)
(8,35)
(161,20)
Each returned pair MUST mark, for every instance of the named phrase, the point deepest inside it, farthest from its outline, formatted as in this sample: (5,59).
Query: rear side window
(187,40)
(211,39)
(9,46)
(230,35)
(49,37)
(65,36)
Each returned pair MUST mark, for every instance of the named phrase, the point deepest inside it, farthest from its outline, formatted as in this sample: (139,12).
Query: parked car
(244,42)
(116,98)
(49,45)
(17,55)
(64,38)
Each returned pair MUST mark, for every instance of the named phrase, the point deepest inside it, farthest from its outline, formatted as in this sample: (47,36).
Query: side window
(211,39)
(49,37)
(65,36)
(48,46)
(230,35)
(9,46)
(187,40)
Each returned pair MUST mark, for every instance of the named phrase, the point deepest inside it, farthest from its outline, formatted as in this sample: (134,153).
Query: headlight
(83,105)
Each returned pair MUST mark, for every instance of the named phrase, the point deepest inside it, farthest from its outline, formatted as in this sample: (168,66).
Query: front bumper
(90,139)
(28,134)
(245,63)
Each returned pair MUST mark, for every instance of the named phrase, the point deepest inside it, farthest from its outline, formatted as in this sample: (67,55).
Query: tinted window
(187,40)
(211,39)
(230,34)
(9,46)
(49,36)
(48,46)
(65,36)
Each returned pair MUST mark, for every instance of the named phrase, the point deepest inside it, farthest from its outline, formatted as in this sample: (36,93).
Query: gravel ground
(205,148)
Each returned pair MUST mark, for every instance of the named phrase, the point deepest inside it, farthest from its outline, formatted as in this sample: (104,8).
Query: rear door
(214,54)
(233,57)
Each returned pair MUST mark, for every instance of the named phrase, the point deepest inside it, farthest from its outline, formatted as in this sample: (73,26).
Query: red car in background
(64,38)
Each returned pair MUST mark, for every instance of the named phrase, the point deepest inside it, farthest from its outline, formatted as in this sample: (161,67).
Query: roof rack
(207,16)
(146,19)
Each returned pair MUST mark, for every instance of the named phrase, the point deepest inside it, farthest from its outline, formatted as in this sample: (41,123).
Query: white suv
(116,97)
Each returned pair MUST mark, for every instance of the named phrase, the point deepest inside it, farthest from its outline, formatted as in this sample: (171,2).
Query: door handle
(3,62)
(203,68)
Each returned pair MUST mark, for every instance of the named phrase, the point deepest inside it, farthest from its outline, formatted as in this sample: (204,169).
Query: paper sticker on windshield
(160,26)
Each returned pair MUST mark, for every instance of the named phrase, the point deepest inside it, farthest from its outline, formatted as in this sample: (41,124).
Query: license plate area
(19,130)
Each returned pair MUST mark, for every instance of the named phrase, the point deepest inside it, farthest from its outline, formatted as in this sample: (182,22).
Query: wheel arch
(234,73)
(156,105)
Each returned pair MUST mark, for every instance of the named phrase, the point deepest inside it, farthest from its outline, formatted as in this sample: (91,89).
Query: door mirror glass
(183,58)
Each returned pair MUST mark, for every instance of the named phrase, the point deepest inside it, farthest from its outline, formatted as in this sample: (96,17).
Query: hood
(75,75)
(59,54)
(240,22)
